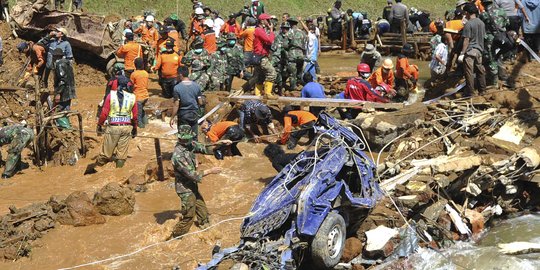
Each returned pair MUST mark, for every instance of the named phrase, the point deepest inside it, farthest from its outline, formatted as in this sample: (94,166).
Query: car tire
(328,244)
(110,66)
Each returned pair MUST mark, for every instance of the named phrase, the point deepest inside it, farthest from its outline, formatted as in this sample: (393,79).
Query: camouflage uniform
(295,55)
(234,58)
(18,137)
(279,59)
(186,182)
(199,63)
(217,70)
(496,21)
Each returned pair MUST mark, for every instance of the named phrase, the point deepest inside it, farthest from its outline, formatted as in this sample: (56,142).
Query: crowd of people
(271,55)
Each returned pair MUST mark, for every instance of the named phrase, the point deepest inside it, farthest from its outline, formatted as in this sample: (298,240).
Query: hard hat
(62,30)
(387,63)
(149,18)
(363,68)
(264,16)
(209,23)
(199,11)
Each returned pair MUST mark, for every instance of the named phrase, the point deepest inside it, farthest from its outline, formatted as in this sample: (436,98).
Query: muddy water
(228,195)
(485,254)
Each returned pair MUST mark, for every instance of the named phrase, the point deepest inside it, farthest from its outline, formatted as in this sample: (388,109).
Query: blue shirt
(532,8)
(64,45)
(313,90)
(188,93)
(358,16)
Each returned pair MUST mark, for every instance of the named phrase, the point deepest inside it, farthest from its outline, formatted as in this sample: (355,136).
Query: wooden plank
(319,102)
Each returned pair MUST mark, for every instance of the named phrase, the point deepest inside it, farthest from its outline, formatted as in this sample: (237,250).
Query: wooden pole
(159,159)
(344,37)
(353,39)
(403,32)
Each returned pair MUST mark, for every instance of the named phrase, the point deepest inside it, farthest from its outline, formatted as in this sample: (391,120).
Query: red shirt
(262,42)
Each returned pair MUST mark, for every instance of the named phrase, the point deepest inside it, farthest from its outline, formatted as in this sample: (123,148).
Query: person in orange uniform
(231,26)
(148,31)
(225,136)
(129,52)
(160,43)
(248,35)
(140,88)
(406,74)
(209,36)
(173,33)
(384,74)
(305,121)
(167,65)
(452,31)
(196,25)
(36,52)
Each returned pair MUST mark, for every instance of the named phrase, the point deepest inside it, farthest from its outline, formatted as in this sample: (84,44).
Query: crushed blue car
(305,213)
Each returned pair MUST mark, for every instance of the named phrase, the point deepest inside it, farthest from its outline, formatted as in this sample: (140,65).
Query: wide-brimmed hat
(370,49)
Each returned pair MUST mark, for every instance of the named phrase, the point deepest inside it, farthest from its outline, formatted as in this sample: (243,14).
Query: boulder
(114,200)
(79,211)
(353,248)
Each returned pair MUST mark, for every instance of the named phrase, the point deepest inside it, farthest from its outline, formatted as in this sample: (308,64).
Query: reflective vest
(121,114)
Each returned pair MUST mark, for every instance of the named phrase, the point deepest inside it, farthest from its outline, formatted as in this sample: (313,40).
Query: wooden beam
(318,102)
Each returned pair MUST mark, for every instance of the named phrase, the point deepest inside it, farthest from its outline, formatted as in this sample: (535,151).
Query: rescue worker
(256,8)
(406,74)
(471,54)
(160,43)
(231,26)
(387,9)
(234,58)
(18,137)
(129,52)
(196,26)
(304,121)
(225,136)
(254,114)
(148,31)
(199,61)
(384,74)
(496,22)
(209,36)
(312,89)
(371,57)
(36,66)
(186,180)
(452,31)
(58,39)
(264,74)
(279,56)
(179,25)
(295,53)
(167,65)
(140,88)
(64,81)
(119,114)
(248,35)
(359,88)
(398,13)
(218,67)
(336,18)
(188,100)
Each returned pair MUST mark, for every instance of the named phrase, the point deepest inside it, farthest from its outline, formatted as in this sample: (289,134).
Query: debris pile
(450,169)
(20,227)
(15,106)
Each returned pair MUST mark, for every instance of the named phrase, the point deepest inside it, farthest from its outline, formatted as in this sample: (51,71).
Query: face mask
(198,50)
(231,42)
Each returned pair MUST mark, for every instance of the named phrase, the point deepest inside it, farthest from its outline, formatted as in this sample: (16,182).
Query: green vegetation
(302,8)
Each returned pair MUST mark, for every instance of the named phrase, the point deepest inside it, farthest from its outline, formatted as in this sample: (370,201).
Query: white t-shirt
(442,51)
(312,47)
(218,23)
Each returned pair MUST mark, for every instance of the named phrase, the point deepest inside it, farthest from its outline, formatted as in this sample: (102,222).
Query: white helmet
(149,18)
(199,11)
(209,23)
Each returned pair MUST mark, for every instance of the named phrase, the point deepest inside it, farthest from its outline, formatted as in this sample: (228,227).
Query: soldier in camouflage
(496,21)
(18,137)
(279,56)
(234,60)
(198,59)
(218,67)
(295,53)
(186,182)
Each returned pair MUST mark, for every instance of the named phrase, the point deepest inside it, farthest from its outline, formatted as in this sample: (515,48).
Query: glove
(460,58)
(134,133)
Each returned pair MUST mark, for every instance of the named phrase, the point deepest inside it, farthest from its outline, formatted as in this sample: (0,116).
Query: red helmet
(363,68)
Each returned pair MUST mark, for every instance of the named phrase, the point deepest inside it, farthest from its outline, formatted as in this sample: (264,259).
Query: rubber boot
(268,87)
(120,163)
(258,89)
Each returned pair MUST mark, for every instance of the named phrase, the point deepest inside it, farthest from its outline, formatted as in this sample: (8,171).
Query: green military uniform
(279,57)
(198,59)
(218,67)
(186,182)
(234,59)
(496,21)
(18,137)
(297,40)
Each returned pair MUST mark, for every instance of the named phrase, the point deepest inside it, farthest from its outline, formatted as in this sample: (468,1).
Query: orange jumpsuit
(140,84)
(379,77)
(168,63)
(303,118)
(129,52)
(149,35)
(210,43)
(217,131)
(404,70)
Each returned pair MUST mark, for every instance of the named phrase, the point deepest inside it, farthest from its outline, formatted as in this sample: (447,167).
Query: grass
(302,8)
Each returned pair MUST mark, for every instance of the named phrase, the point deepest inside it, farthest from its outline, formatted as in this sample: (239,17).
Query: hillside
(302,8)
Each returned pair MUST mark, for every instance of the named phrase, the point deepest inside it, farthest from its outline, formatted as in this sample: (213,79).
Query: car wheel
(328,244)
(110,67)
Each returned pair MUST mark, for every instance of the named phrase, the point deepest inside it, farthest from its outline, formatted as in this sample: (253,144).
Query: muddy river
(228,195)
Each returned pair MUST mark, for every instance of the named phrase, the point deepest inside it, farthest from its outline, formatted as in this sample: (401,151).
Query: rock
(114,200)
(44,224)
(353,248)
(476,220)
(515,248)
(137,183)
(358,267)
(409,201)
(378,241)
(417,187)
(434,211)
(240,266)
(79,211)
